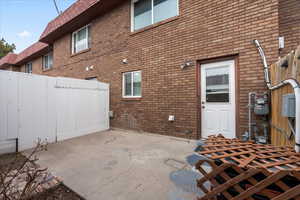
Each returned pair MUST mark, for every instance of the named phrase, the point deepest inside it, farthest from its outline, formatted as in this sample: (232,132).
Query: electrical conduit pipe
(295,86)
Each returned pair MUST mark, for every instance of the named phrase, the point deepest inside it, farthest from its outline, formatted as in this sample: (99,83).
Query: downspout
(295,86)
(250,109)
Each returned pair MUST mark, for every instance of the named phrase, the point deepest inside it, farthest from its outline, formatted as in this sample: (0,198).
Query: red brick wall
(11,68)
(289,24)
(204,30)
(37,66)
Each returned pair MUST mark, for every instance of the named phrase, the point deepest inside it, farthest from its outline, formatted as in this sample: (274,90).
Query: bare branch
(21,178)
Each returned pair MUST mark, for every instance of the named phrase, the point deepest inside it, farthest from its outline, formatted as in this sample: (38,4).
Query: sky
(23,21)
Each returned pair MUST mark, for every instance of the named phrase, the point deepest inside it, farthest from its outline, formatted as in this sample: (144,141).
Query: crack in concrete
(110,140)
(177,164)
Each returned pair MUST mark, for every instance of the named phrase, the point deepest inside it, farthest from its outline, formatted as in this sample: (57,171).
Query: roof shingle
(30,51)
(9,59)
(73,11)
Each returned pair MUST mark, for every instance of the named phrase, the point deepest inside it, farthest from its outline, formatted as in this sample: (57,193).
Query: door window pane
(217,85)
(142,13)
(164,9)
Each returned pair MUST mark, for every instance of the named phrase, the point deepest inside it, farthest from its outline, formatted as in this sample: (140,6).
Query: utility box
(261,106)
(288,105)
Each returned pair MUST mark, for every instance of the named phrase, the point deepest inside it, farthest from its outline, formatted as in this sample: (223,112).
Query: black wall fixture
(285,63)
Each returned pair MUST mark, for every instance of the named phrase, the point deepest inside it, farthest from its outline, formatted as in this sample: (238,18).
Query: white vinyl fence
(49,108)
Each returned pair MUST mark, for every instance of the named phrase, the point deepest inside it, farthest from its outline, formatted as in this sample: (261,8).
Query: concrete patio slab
(120,165)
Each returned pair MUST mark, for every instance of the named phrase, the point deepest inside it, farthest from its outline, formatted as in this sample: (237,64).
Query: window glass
(142,13)
(147,12)
(50,59)
(128,84)
(47,61)
(82,34)
(164,9)
(28,68)
(132,84)
(81,40)
(137,84)
(217,85)
(46,65)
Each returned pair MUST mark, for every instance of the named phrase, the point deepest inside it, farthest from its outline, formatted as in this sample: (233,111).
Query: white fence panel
(12,106)
(8,106)
(7,146)
(36,118)
(49,108)
(83,107)
(3,107)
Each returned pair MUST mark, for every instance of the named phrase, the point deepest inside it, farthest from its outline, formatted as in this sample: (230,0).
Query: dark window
(28,68)
(147,12)
(217,85)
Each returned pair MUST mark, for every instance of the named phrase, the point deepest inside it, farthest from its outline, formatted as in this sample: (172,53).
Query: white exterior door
(218,99)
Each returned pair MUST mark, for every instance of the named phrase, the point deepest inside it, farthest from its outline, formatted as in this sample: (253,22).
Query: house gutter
(295,85)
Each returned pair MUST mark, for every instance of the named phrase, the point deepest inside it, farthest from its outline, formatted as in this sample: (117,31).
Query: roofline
(33,56)
(8,62)
(7,65)
(98,8)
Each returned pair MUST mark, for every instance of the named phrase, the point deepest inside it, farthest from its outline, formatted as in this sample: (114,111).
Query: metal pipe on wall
(295,86)
(250,109)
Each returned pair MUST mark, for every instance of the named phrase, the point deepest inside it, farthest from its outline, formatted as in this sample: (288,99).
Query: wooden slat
(222,149)
(282,162)
(254,186)
(248,160)
(230,183)
(226,145)
(261,185)
(233,154)
(293,192)
(212,174)
(277,155)
(273,158)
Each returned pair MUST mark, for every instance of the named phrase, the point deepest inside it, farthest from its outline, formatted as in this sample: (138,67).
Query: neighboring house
(175,67)
(32,59)
(37,59)
(8,62)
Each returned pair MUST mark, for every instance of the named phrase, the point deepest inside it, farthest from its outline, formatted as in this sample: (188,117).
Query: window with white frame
(28,68)
(132,82)
(48,61)
(147,12)
(81,39)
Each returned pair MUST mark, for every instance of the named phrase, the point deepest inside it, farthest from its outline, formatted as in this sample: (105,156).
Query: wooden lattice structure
(235,151)
(228,181)
(245,170)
